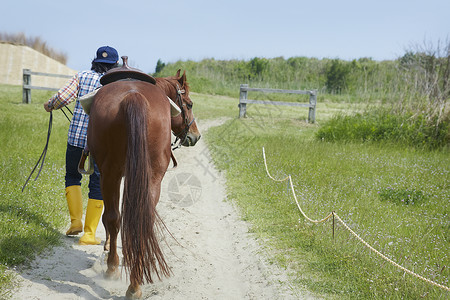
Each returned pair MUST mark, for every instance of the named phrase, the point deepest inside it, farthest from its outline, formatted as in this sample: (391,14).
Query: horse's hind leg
(111,219)
(134,289)
(136,276)
(134,292)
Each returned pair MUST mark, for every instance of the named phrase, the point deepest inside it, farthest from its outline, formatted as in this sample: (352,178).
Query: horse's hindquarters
(129,135)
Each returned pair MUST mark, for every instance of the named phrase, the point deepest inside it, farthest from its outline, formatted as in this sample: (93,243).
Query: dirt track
(213,256)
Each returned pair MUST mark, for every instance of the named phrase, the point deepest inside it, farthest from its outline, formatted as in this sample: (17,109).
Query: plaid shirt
(80,84)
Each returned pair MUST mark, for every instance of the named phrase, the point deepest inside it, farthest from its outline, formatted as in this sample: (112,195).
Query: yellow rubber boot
(75,204)
(93,213)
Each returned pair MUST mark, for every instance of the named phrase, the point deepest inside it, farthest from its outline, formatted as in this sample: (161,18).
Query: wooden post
(312,108)
(242,98)
(26,96)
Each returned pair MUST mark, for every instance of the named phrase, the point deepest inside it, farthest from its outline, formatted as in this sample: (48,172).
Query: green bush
(383,125)
(361,78)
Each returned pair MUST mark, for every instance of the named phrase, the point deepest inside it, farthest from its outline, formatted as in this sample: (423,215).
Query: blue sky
(175,30)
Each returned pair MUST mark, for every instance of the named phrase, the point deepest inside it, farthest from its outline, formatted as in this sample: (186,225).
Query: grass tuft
(402,196)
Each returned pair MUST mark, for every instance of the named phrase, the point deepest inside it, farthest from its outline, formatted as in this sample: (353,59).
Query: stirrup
(83,158)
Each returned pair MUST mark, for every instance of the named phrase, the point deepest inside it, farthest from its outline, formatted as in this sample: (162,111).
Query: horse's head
(184,126)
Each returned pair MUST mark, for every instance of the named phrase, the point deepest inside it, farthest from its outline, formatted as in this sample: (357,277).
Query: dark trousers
(73,177)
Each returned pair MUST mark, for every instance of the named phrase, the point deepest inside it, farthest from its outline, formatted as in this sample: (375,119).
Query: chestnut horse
(129,135)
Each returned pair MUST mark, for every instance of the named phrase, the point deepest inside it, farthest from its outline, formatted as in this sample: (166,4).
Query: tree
(337,72)
(159,66)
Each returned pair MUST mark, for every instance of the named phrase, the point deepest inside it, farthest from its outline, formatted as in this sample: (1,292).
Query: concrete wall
(15,58)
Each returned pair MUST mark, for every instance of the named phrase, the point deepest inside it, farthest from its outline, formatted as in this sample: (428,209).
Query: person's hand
(47,108)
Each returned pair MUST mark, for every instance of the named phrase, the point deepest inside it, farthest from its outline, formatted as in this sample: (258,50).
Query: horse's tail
(141,251)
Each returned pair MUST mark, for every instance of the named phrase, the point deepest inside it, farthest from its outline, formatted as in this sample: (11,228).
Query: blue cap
(107,55)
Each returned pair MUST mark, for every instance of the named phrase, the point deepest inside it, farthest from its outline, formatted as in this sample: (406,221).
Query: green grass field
(32,220)
(395,197)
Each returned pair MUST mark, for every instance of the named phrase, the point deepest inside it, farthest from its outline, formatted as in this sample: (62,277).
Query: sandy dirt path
(212,255)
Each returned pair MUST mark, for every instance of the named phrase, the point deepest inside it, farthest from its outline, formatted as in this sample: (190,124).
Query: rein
(65,113)
(43,154)
(180,137)
(41,159)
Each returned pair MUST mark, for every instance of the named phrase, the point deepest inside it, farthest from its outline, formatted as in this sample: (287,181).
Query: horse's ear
(182,79)
(178,73)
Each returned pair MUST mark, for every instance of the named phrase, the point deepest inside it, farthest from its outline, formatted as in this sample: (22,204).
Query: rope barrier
(388,259)
(267,170)
(333,214)
(301,210)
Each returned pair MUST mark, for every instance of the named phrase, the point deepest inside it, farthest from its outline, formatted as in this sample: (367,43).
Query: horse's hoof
(137,294)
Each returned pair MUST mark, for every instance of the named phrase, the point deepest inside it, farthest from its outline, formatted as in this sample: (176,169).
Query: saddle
(126,73)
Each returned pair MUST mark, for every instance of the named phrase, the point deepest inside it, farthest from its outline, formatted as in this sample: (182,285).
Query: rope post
(242,101)
(312,106)
(26,95)
(333,227)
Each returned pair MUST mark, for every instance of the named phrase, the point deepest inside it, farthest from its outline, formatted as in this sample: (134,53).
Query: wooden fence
(27,87)
(243,100)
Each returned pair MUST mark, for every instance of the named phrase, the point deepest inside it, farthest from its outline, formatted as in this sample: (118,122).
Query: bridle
(181,137)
